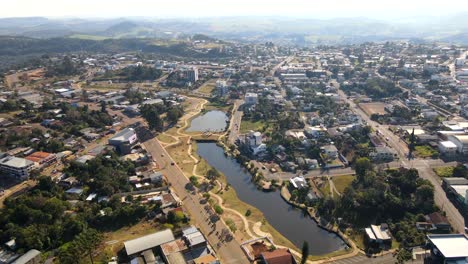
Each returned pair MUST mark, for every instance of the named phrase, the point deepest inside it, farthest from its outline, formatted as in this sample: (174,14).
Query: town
(261,154)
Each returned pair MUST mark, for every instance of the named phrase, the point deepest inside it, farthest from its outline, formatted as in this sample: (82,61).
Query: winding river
(289,221)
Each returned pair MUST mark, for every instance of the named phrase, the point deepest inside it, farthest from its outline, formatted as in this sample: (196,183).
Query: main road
(229,251)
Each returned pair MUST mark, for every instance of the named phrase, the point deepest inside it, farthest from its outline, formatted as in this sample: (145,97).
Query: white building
(251,98)
(17,167)
(447,148)
(124,140)
(298,182)
(461,141)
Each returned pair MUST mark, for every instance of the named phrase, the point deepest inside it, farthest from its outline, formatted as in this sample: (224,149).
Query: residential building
(330,150)
(383,154)
(16,167)
(277,256)
(251,99)
(378,233)
(124,140)
(448,248)
(298,182)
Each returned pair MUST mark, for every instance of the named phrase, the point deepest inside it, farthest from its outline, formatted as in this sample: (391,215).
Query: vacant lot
(373,108)
(342,182)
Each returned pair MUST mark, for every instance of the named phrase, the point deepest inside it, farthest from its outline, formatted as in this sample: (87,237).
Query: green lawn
(325,189)
(444,171)
(341,182)
(425,151)
(207,87)
(247,125)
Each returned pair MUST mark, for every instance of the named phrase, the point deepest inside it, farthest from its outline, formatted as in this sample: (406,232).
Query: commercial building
(42,159)
(190,74)
(447,148)
(457,190)
(449,248)
(141,244)
(124,140)
(16,167)
(461,141)
(277,256)
(33,256)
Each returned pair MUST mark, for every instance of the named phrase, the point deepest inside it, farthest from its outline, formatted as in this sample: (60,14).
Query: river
(289,221)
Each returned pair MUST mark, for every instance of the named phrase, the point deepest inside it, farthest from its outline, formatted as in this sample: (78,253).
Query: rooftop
(278,256)
(15,162)
(124,135)
(149,241)
(451,245)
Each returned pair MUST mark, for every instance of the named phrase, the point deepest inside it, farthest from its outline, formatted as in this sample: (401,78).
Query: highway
(229,251)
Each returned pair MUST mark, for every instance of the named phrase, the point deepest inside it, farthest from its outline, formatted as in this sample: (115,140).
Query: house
(439,221)
(17,167)
(277,256)
(141,244)
(448,248)
(251,99)
(330,150)
(378,233)
(447,148)
(382,154)
(124,140)
(156,177)
(298,182)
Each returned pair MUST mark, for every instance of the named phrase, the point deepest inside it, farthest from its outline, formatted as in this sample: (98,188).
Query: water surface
(289,221)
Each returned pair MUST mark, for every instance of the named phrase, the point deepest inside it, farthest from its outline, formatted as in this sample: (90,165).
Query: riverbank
(250,221)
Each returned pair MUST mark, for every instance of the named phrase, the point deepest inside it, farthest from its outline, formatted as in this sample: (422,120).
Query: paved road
(424,167)
(229,252)
(234,125)
(385,259)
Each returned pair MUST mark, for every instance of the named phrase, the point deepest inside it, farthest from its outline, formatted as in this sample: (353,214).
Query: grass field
(247,125)
(325,188)
(425,151)
(165,138)
(208,87)
(444,171)
(179,154)
(341,182)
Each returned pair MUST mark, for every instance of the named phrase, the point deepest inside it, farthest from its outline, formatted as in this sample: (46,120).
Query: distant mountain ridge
(296,30)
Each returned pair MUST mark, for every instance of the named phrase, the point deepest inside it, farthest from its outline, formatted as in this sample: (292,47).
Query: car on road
(387,138)
(162,155)
(172,163)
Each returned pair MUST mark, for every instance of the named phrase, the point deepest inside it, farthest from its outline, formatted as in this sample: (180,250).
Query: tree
(362,167)
(103,107)
(305,252)
(151,114)
(87,242)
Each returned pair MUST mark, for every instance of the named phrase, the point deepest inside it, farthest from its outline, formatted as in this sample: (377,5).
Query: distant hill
(120,28)
(300,31)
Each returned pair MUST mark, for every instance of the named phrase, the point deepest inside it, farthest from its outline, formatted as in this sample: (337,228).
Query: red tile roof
(278,256)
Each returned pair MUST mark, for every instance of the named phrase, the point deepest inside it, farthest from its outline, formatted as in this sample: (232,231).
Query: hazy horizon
(396,9)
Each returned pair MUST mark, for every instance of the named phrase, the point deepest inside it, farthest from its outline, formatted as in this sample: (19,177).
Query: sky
(377,9)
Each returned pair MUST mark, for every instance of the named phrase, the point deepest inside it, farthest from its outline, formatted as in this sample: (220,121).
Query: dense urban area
(211,151)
